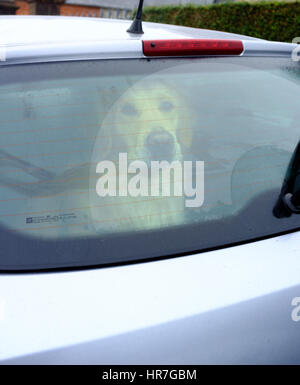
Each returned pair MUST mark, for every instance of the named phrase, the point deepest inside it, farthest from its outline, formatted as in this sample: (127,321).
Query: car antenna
(136,26)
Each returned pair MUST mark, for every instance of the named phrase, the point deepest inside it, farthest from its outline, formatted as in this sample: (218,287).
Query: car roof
(53,38)
(23,30)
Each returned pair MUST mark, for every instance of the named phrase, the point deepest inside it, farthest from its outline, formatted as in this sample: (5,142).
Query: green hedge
(278,21)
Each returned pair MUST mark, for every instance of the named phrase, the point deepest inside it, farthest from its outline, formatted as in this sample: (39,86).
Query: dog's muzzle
(160,145)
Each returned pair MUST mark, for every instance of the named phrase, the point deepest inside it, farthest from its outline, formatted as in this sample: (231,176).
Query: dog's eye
(166,105)
(129,109)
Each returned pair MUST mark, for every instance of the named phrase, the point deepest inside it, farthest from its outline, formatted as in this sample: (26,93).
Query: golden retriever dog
(150,122)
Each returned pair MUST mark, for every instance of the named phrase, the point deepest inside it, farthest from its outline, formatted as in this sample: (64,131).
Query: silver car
(102,265)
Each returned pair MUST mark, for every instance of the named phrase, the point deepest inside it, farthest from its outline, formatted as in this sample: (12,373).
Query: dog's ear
(111,140)
(109,136)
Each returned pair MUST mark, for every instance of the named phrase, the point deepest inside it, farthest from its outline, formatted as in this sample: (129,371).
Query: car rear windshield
(119,160)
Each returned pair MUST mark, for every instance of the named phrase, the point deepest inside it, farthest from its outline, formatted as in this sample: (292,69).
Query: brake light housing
(192,47)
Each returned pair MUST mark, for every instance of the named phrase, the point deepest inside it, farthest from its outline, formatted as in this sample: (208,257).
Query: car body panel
(28,39)
(183,303)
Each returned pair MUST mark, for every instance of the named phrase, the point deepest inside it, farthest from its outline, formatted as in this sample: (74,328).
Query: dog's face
(153,123)
(149,122)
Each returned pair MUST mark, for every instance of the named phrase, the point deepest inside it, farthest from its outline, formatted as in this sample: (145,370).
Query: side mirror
(288,202)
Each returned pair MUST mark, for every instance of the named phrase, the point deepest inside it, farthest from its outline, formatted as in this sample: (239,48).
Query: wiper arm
(39,173)
(47,182)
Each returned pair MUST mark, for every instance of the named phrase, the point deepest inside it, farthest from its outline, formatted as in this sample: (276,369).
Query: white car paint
(46,311)
(29,39)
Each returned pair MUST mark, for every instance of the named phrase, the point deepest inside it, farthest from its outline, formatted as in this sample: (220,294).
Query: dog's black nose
(160,144)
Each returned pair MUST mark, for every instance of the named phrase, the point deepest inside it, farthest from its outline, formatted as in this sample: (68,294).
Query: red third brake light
(192,47)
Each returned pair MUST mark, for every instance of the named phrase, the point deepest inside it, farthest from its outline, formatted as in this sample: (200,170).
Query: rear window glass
(112,161)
